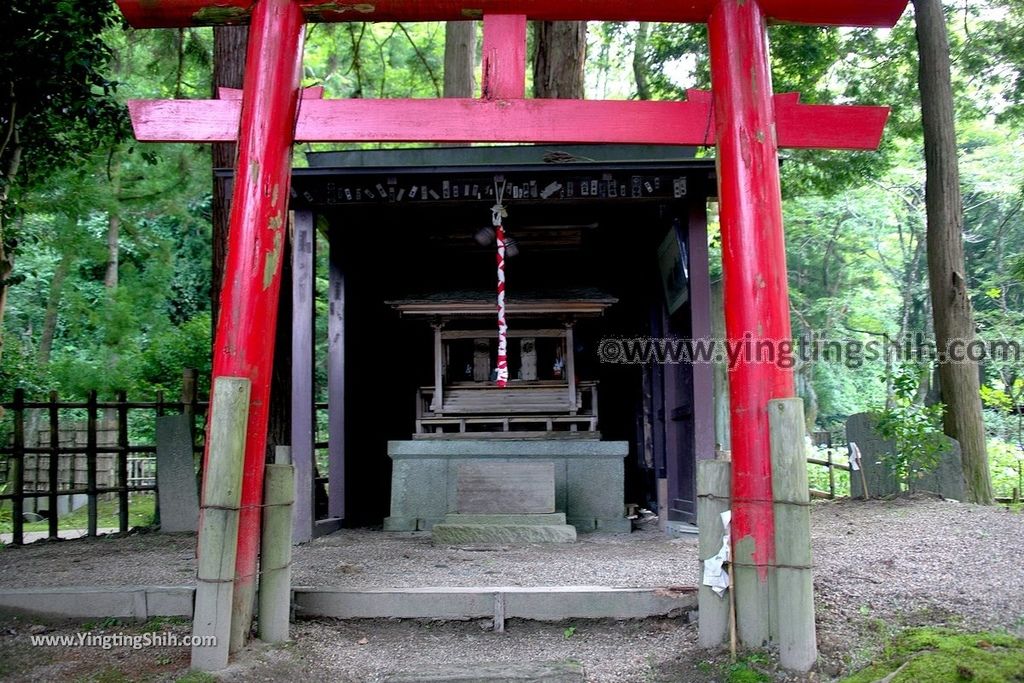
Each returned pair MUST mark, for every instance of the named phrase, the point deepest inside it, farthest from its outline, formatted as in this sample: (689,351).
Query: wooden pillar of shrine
(700,309)
(303,374)
(336,380)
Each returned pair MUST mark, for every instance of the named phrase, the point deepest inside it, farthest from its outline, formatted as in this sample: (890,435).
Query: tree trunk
(643,87)
(951,303)
(6,256)
(53,307)
(459,58)
(229,44)
(560,51)
(113,236)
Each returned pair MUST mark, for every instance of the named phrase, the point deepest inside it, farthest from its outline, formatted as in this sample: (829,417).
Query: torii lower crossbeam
(800,126)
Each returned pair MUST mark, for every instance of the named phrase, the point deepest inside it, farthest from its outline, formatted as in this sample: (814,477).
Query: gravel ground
(359,558)
(880,566)
(611,652)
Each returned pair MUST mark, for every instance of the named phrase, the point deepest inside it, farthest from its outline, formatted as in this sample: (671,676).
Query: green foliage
(854,221)
(1006,461)
(55,94)
(19,368)
(817,475)
(934,654)
(139,333)
(914,428)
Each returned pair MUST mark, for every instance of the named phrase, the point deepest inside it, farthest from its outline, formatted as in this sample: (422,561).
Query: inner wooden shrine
(543,396)
(604,242)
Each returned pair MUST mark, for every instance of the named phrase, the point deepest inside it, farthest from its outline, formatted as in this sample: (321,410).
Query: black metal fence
(59,461)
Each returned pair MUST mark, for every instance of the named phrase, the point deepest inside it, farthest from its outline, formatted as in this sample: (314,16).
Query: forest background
(105,270)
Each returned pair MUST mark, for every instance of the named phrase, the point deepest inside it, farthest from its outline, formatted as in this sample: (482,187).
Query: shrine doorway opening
(409,279)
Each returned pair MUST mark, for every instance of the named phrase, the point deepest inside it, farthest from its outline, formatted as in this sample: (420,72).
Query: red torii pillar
(756,288)
(750,124)
(244,342)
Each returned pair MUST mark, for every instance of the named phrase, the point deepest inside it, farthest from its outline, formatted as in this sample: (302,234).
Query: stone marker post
(176,474)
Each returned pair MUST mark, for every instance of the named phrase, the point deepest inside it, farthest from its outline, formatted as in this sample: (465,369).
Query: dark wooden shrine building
(606,242)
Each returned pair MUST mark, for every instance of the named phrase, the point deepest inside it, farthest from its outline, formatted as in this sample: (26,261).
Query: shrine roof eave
(684,164)
(482,156)
(573,303)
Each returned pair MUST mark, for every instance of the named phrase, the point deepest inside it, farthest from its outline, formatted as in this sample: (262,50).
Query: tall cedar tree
(560,51)
(951,302)
(459,58)
(229,45)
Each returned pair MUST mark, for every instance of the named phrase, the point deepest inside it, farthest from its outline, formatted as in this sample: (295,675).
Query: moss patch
(931,654)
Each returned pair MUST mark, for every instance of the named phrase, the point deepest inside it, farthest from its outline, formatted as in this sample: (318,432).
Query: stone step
(462,534)
(557,518)
(519,672)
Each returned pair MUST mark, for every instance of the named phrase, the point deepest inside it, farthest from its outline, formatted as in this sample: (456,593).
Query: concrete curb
(553,603)
(540,604)
(122,602)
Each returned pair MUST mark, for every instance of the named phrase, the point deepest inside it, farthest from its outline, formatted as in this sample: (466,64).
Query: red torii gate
(741,117)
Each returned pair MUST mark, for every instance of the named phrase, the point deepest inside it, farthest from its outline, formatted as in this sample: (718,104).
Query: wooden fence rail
(128,477)
(825,439)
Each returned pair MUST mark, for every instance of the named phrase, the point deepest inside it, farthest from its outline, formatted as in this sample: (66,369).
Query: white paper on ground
(715,575)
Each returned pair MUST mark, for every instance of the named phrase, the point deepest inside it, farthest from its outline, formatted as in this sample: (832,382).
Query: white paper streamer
(715,574)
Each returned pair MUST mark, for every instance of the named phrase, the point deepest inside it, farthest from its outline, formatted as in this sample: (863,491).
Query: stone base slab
(506,534)
(557,518)
(589,478)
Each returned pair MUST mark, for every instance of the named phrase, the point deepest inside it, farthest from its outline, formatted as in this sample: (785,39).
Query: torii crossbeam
(741,117)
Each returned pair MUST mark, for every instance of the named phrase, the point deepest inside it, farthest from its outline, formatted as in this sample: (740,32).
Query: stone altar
(589,478)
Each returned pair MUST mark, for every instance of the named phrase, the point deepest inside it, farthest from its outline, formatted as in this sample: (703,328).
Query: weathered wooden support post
(713,484)
(303,450)
(53,468)
(17,471)
(218,523)
(122,461)
(756,289)
(336,364)
(244,345)
(794,585)
(92,521)
(276,549)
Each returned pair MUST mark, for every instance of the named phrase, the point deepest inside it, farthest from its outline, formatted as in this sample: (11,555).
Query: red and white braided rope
(499,233)
(502,325)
